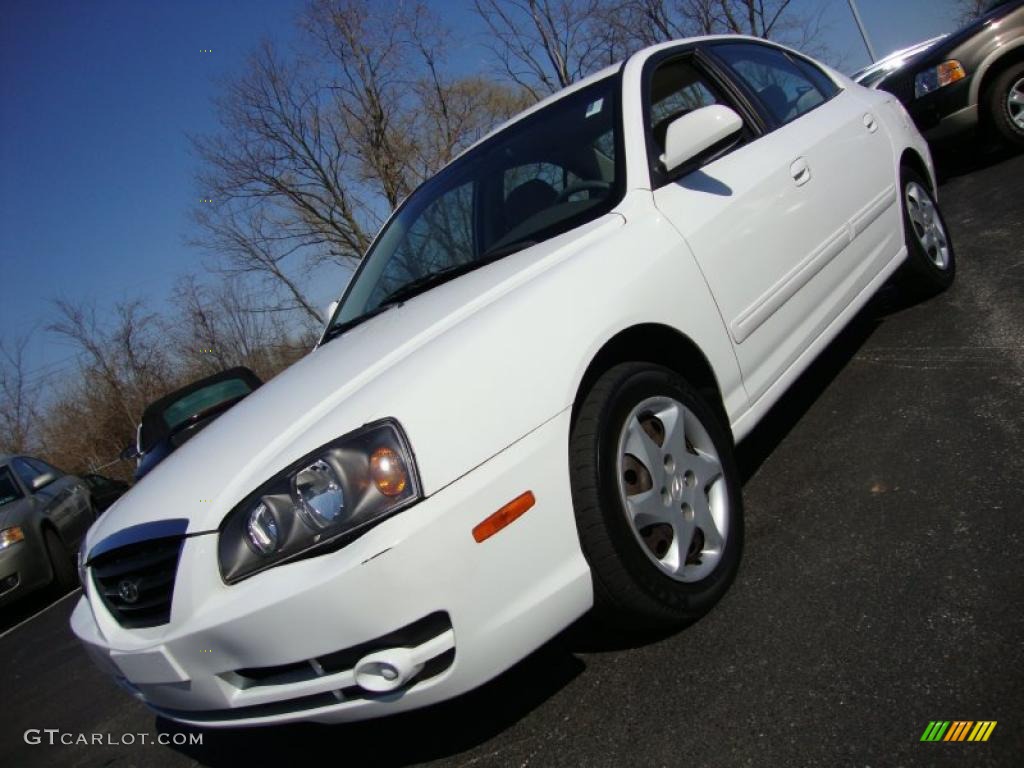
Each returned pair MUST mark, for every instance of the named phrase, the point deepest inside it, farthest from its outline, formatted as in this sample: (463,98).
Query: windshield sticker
(594,107)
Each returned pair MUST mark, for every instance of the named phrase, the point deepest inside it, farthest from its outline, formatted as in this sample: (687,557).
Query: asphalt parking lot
(882,586)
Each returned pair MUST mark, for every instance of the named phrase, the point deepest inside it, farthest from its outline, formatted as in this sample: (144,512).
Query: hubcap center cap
(676,487)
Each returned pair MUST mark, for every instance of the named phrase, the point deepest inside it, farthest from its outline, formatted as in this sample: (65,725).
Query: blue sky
(97,99)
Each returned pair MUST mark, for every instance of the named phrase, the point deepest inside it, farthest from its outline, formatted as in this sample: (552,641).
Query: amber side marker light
(507,514)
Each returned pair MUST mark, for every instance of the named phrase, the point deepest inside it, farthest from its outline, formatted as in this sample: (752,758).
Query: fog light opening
(386,671)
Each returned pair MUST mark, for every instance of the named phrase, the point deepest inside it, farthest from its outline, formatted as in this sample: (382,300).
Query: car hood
(282,420)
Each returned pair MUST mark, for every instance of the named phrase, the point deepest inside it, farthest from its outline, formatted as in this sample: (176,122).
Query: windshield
(548,173)
(9,490)
(870,78)
(203,400)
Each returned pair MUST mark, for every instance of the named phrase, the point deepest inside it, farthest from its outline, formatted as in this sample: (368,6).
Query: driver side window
(25,473)
(781,86)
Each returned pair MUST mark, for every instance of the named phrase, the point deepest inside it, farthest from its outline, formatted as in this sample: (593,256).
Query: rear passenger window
(787,88)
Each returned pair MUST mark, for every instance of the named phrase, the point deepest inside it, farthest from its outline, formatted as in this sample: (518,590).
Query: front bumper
(24,568)
(281,646)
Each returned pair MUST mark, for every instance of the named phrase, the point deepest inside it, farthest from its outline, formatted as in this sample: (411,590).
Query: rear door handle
(870,123)
(800,171)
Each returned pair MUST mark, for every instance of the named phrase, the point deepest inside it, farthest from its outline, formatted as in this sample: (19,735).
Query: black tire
(998,107)
(921,274)
(65,576)
(630,590)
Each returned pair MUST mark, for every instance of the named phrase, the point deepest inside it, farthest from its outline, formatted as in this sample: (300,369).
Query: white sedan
(525,404)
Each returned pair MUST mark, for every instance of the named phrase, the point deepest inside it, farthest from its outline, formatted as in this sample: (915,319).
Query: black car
(104,490)
(973,76)
(172,420)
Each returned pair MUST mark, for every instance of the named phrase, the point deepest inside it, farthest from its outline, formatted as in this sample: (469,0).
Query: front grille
(136,582)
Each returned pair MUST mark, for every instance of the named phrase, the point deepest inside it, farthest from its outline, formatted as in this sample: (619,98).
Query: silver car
(44,514)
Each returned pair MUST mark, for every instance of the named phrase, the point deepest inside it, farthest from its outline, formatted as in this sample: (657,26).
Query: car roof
(608,71)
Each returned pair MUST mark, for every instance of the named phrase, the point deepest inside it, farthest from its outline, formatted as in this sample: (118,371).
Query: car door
(767,220)
(53,499)
(75,494)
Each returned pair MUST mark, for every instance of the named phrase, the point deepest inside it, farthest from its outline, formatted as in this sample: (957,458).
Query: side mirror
(129,453)
(698,131)
(43,480)
(329,312)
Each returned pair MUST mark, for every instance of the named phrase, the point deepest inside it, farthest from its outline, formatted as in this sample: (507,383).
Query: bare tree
(127,364)
(222,325)
(315,149)
(19,398)
(545,45)
(969,10)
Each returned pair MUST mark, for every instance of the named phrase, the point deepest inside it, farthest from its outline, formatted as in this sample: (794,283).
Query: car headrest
(527,199)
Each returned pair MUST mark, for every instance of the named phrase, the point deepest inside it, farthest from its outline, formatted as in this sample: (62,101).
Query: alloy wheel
(927,224)
(673,489)
(1015,103)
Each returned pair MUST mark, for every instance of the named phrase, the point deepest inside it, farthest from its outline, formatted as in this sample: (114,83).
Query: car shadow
(967,154)
(790,409)
(431,733)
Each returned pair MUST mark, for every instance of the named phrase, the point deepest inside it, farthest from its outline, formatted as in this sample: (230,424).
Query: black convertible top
(155,428)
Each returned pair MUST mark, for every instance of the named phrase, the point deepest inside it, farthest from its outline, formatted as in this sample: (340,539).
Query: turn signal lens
(933,78)
(504,516)
(10,536)
(950,72)
(388,472)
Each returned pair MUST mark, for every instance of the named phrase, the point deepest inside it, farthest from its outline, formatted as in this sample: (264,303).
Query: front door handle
(870,123)
(800,171)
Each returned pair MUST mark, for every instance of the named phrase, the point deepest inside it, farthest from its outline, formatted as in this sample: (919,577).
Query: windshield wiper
(425,283)
(336,330)
(432,280)
(508,249)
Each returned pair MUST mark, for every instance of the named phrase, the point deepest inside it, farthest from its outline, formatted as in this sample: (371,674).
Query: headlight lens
(10,536)
(318,492)
(262,531)
(933,78)
(320,502)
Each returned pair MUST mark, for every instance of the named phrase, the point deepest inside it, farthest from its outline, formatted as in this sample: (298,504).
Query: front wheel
(657,497)
(931,261)
(65,577)
(1006,104)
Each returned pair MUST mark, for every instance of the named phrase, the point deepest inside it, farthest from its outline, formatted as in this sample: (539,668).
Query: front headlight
(11,536)
(321,502)
(933,78)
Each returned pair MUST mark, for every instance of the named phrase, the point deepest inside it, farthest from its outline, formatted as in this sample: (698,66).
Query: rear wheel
(65,576)
(931,261)
(657,497)
(1006,104)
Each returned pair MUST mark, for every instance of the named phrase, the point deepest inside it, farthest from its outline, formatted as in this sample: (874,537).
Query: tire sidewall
(999,109)
(918,262)
(64,576)
(676,598)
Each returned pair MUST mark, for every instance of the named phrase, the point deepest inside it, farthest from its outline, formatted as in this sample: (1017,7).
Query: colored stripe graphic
(958,730)
(935,730)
